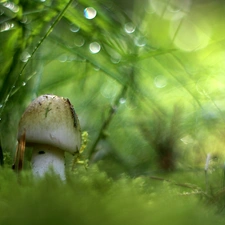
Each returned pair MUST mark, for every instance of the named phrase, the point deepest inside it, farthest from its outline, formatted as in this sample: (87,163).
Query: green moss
(92,198)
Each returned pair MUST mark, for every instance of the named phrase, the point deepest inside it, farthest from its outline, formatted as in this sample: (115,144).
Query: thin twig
(112,111)
(175,183)
(195,189)
(106,123)
(1,156)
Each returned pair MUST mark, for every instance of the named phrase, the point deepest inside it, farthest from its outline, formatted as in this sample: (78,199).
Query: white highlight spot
(90,13)
(160,81)
(94,47)
(129,28)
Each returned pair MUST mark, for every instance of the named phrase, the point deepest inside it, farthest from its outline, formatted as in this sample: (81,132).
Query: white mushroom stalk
(51,127)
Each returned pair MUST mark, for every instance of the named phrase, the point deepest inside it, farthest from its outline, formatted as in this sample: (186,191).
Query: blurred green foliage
(147,82)
(93,198)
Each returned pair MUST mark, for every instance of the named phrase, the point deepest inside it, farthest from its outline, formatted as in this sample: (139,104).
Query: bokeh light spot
(129,28)
(63,58)
(160,81)
(90,13)
(189,36)
(171,10)
(79,41)
(140,41)
(122,100)
(94,47)
(74,28)
(25,56)
(6,26)
(11,6)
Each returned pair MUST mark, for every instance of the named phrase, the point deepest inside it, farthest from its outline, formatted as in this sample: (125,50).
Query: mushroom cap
(51,120)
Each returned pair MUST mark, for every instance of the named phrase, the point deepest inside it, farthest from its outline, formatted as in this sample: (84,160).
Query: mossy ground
(90,197)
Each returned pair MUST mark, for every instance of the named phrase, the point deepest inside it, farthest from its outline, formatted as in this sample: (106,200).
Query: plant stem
(1,156)
(35,50)
(106,123)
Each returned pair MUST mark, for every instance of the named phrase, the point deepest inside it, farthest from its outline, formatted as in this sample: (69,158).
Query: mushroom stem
(46,158)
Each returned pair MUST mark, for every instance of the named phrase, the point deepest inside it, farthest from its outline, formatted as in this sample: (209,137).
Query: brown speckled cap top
(51,120)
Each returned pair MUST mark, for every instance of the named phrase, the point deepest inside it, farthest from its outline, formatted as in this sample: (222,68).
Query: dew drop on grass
(25,56)
(115,58)
(6,26)
(71,58)
(1,105)
(140,41)
(62,58)
(74,28)
(24,20)
(24,83)
(96,68)
(122,100)
(90,13)
(160,81)
(79,41)
(129,28)
(94,47)
(11,6)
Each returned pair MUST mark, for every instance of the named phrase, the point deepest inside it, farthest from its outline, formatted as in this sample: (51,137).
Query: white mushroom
(50,126)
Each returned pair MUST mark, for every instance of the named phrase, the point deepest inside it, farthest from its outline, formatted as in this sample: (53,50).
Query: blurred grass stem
(58,18)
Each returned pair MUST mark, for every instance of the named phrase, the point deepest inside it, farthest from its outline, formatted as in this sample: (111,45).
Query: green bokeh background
(151,99)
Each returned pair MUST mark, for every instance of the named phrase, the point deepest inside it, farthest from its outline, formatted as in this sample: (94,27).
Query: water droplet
(71,58)
(6,26)
(11,6)
(140,41)
(25,20)
(160,81)
(25,56)
(96,68)
(79,41)
(122,100)
(115,61)
(94,47)
(74,28)
(90,13)
(62,58)
(1,105)
(115,58)
(24,83)
(129,28)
